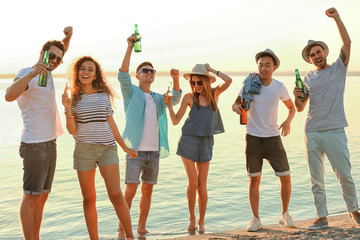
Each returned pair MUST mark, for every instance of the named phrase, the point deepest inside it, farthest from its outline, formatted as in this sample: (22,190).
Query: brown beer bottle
(243,116)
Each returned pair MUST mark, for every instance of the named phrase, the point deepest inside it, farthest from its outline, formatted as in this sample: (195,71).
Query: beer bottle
(243,116)
(137,43)
(169,91)
(43,78)
(299,83)
(68,89)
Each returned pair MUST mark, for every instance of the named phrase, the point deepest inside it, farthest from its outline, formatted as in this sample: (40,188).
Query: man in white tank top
(41,128)
(324,128)
(263,136)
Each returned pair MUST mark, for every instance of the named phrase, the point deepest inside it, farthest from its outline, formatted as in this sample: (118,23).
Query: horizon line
(165,73)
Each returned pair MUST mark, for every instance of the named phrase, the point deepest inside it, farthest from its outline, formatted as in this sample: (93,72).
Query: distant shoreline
(164,74)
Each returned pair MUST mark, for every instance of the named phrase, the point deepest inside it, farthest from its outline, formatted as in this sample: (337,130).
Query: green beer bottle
(43,78)
(299,83)
(137,43)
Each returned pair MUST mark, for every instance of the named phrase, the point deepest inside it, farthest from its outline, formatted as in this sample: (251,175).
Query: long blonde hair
(209,92)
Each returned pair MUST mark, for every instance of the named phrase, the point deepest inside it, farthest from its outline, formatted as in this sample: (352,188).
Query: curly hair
(209,93)
(98,83)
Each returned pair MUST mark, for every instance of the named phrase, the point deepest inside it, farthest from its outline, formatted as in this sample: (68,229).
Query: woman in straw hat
(196,142)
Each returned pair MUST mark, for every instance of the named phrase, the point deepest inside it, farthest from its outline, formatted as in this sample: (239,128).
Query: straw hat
(200,69)
(310,44)
(268,52)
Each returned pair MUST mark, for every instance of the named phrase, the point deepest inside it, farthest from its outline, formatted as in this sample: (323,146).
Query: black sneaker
(319,223)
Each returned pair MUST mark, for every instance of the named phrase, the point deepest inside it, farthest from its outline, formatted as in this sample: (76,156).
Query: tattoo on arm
(238,100)
(343,56)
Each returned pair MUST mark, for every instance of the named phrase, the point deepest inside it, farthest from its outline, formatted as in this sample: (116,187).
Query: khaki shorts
(87,156)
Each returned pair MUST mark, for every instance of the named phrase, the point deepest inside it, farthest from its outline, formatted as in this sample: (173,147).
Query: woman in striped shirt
(89,118)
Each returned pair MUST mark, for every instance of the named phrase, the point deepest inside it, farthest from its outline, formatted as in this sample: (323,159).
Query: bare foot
(201,227)
(121,234)
(142,231)
(192,225)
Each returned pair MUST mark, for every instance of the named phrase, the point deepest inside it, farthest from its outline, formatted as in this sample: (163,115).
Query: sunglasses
(199,83)
(52,56)
(146,70)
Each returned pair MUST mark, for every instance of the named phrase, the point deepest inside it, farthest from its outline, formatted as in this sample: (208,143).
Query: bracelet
(67,115)
(71,117)
(217,73)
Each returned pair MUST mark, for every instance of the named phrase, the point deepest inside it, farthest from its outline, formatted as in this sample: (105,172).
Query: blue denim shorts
(39,161)
(195,148)
(146,164)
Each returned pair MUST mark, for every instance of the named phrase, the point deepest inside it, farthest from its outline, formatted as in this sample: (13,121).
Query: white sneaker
(254,225)
(286,219)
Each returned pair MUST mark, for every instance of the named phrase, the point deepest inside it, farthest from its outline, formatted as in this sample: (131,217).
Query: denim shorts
(195,148)
(146,164)
(39,161)
(270,148)
(88,155)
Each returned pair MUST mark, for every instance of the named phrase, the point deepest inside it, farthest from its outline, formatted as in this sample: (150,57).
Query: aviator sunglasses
(199,83)
(146,70)
(52,56)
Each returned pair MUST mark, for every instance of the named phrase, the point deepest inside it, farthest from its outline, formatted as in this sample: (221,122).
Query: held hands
(40,67)
(285,126)
(332,13)
(131,152)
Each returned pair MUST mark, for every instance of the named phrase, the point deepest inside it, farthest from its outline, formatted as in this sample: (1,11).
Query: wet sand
(340,227)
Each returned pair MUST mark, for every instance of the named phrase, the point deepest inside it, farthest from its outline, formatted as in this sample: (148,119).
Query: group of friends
(89,118)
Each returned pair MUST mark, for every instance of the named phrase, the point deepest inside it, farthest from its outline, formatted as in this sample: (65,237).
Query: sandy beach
(340,227)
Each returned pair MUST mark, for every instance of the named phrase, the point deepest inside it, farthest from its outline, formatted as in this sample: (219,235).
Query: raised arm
(175,74)
(71,125)
(68,31)
(223,86)
(20,84)
(176,118)
(126,61)
(345,49)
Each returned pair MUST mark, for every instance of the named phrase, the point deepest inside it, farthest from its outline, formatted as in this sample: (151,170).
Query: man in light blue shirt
(145,130)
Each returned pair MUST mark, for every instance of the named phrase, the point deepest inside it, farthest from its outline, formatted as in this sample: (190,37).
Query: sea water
(228,206)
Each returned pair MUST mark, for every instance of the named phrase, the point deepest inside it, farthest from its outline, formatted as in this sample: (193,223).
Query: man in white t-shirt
(263,135)
(41,128)
(324,128)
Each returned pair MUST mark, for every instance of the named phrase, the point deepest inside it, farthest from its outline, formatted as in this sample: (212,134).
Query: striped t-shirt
(91,114)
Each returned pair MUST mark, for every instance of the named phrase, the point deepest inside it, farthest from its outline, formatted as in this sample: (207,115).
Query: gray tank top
(203,122)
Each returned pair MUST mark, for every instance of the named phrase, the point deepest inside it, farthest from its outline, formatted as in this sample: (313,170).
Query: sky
(176,33)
